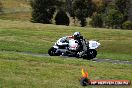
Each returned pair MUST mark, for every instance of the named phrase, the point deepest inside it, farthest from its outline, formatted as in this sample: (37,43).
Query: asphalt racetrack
(94,60)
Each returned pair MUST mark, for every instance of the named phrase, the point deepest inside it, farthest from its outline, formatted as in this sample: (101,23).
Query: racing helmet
(76,35)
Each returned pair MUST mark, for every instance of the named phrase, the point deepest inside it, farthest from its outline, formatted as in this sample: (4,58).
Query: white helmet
(76,35)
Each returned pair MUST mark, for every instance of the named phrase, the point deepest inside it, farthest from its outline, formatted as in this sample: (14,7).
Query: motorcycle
(85,50)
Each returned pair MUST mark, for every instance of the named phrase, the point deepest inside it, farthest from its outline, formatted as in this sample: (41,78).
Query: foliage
(114,18)
(62,18)
(1,6)
(127,25)
(123,6)
(69,7)
(114,14)
(97,20)
(83,9)
(43,10)
(100,6)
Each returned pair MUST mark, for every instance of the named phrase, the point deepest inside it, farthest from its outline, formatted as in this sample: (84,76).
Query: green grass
(24,36)
(25,71)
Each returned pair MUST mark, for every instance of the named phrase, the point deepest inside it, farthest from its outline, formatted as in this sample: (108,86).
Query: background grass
(15,10)
(26,71)
(38,38)
(16,16)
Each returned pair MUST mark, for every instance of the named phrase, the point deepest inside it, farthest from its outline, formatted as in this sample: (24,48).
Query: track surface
(94,60)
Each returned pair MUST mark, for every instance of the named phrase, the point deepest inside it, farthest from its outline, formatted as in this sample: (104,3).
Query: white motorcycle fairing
(60,42)
(55,46)
(72,44)
(93,44)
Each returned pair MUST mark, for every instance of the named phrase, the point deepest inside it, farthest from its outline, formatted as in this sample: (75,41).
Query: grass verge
(23,36)
(17,70)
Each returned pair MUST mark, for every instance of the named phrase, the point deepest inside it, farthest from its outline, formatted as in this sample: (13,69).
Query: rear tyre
(52,52)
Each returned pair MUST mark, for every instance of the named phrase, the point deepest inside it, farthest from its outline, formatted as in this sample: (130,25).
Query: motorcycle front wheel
(92,53)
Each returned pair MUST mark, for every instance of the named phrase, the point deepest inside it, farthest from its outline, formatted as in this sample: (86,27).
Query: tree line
(1,7)
(102,13)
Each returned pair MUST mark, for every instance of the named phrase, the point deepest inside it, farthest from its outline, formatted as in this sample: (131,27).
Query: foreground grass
(23,36)
(25,71)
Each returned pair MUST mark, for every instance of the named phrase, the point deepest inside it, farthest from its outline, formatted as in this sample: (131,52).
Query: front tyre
(92,53)
(52,52)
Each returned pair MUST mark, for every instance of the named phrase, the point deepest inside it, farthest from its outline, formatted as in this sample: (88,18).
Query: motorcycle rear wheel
(52,52)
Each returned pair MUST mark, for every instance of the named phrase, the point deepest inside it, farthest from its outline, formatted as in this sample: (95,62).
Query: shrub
(96,20)
(62,18)
(42,10)
(114,18)
(83,9)
(1,6)
(127,25)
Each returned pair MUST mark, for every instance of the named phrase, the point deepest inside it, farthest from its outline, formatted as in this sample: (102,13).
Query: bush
(127,25)
(62,18)
(96,20)
(114,18)
(1,6)
(42,10)
(83,9)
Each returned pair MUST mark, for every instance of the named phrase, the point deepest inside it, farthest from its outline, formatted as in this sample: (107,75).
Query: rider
(77,36)
(64,41)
